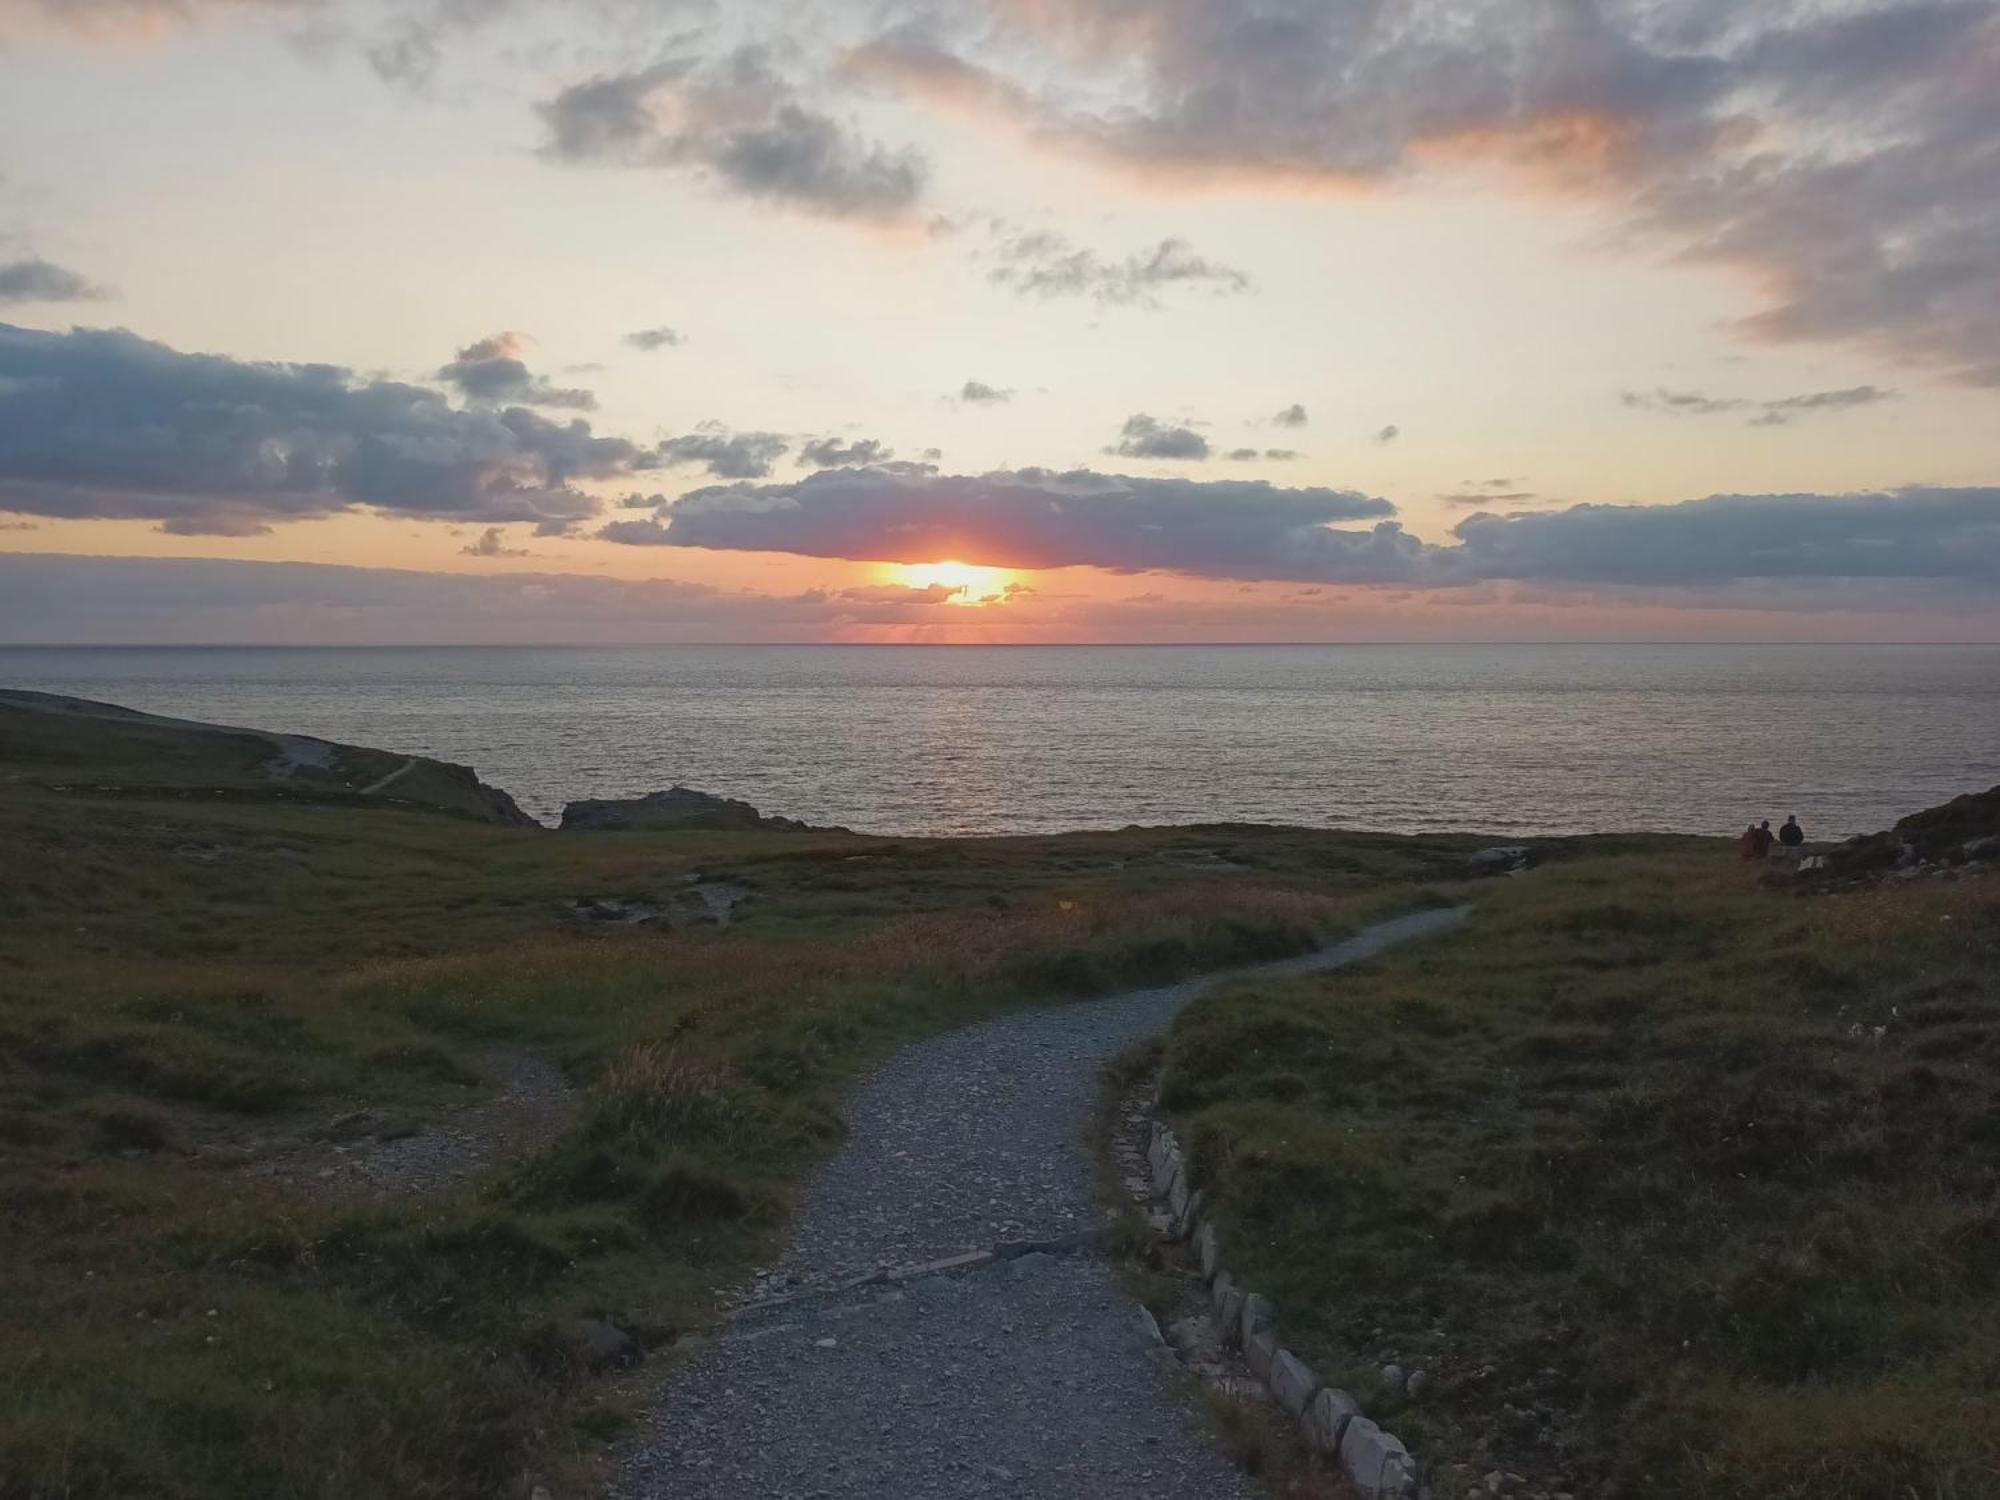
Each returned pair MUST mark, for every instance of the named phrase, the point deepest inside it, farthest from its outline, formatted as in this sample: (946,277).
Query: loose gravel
(1032,1376)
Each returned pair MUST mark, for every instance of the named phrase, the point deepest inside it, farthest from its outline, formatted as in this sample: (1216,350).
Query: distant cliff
(65,743)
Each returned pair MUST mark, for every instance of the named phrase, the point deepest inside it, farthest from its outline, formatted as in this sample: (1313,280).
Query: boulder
(1258,1313)
(1260,1350)
(1293,1382)
(677,807)
(1500,859)
(1376,1462)
(1327,1418)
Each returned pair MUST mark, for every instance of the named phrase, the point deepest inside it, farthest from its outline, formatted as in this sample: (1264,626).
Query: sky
(335,321)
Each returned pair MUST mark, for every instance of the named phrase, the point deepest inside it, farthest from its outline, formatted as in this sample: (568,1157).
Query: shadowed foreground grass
(182,982)
(1677,1184)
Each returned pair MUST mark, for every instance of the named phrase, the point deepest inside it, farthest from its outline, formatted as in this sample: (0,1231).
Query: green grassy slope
(1678,1185)
(193,986)
(74,744)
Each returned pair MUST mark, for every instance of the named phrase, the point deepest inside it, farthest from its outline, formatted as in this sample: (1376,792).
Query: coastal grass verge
(1674,1183)
(198,998)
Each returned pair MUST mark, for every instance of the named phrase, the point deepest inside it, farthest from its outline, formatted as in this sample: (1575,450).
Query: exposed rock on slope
(1965,830)
(676,807)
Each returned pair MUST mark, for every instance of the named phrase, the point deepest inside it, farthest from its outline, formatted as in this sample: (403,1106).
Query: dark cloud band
(102,423)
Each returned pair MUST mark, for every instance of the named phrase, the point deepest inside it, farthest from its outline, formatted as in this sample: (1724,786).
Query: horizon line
(907,645)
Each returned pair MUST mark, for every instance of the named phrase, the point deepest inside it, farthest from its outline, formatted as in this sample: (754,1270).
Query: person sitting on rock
(1791,835)
(1746,845)
(1764,839)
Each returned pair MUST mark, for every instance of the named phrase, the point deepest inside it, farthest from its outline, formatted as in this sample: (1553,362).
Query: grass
(1678,1185)
(186,979)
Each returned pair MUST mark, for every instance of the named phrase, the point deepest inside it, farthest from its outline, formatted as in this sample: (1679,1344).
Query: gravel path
(1029,1377)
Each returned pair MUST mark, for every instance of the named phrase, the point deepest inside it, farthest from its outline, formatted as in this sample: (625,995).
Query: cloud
(1270,455)
(492,543)
(1148,437)
(117,19)
(1046,265)
(491,370)
(1292,416)
(740,127)
(831,453)
(1842,154)
(899,593)
(59,598)
(1254,531)
(1026,518)
(1388,434)
(979,393)
(36,280)
(1917,533)
(1487,495)
(102,423)
(725,454)
(651,339)
(1762,413)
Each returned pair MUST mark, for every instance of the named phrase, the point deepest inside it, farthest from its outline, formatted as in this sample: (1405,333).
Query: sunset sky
(999,320)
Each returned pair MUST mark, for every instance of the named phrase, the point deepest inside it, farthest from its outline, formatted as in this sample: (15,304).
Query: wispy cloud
(653,339)
(725,454)
(979,393)
(1047,265)
(1148,437)
(740,126)
(491,370)
(36,280)
(1759,413)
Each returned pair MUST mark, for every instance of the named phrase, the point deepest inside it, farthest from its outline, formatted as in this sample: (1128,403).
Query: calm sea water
(954,740)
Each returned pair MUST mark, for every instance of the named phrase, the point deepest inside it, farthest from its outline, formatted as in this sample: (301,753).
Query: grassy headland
(222,976)
(1677,1183)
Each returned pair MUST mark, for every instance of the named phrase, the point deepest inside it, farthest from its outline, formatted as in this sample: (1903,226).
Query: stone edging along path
(1374,1461)
(940,1326)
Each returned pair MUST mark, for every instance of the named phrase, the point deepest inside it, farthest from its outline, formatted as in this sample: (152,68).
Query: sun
(968,584)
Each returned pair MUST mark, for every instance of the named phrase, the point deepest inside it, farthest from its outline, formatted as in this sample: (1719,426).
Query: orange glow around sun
(968,584)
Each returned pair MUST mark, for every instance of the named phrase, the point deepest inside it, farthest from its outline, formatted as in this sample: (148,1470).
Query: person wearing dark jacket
(1791,835)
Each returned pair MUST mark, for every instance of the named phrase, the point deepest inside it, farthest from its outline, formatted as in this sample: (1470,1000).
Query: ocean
(1504,739)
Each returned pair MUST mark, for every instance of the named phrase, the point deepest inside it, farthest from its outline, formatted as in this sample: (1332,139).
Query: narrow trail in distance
(1032,1376)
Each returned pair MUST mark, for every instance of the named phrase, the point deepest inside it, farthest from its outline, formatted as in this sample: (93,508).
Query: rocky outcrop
(492,804)
(676,807)
(1963,831)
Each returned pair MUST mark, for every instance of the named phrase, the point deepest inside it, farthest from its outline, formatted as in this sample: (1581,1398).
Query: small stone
(1416,1384)
(603,1343)
(826,1343)
(1392,1377)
